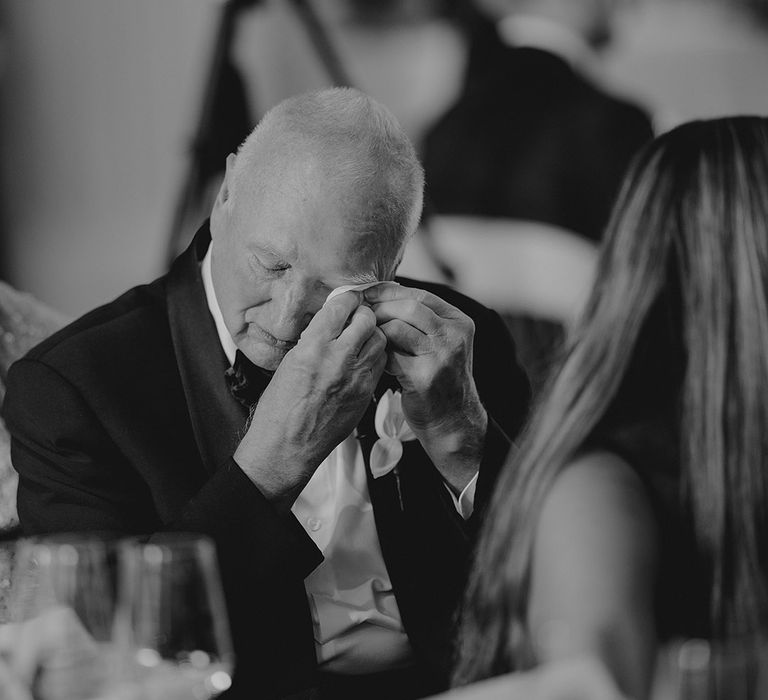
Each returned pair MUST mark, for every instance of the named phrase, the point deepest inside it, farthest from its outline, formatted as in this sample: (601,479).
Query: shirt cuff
(465,501)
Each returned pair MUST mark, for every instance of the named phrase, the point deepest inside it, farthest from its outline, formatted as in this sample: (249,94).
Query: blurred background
(116,117)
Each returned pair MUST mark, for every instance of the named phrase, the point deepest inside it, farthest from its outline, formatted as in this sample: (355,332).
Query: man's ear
(222,202)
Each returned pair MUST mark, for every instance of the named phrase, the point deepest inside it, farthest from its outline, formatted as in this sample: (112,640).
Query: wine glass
(699,669)
(63,611)
(172,621)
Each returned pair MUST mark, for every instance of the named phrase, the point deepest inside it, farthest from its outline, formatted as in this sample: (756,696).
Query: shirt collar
(530,31)
(227,343)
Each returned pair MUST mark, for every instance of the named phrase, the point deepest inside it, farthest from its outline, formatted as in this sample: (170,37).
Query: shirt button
(314,524)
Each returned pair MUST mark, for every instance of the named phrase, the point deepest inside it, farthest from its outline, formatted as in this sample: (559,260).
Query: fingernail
(371,293)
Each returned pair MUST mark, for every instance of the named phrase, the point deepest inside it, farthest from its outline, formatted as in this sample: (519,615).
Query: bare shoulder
(600,479)
(597,500)
(593,569)
(595,546)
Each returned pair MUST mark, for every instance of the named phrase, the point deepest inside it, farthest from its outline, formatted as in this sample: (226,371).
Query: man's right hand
(315,399)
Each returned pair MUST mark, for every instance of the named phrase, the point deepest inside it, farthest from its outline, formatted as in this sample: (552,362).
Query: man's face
(275,260)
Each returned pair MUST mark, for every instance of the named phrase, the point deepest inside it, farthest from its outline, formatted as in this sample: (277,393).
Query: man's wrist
(273,481)
(457,451)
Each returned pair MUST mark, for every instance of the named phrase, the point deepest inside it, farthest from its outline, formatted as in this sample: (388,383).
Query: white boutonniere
(393,430)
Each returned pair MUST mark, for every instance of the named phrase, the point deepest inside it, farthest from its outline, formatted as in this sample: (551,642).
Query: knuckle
(334,314)
(376,343)
(309,346)
(412,306)
(365,313)
(388,328)
(423,344)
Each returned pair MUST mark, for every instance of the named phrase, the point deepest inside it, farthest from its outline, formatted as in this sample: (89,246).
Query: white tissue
(350,288)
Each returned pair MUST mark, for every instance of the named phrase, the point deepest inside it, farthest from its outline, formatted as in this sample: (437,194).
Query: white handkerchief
(350,288)
(393,430)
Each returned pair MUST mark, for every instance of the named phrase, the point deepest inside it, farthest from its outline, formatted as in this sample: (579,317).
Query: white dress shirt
(357,625)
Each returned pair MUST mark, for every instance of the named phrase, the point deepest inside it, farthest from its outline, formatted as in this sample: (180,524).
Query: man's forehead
(319,226)
(351,261)
(280,249)
(346,265)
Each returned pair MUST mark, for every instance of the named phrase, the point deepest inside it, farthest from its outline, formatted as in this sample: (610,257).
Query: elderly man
(342,462)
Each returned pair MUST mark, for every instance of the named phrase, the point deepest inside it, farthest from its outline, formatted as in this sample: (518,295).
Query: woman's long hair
(690,230)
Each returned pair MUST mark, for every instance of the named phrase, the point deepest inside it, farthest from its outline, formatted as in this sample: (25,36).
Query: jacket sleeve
(73,476)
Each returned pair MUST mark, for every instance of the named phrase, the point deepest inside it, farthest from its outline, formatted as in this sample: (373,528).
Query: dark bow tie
(246,381)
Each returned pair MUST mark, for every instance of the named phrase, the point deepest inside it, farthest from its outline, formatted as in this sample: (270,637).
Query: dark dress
(651,449)
(643,426)
(531,138)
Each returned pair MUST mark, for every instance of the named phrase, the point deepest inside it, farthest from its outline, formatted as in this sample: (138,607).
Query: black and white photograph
(384,349)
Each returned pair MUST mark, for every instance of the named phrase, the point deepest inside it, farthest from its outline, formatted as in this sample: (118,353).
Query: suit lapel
(217,418)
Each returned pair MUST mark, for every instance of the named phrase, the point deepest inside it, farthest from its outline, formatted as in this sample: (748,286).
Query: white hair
(363,154)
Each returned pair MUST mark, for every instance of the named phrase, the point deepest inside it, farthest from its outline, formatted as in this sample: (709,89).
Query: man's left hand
(429,351)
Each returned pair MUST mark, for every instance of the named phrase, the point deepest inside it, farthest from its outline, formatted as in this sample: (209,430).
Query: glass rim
(170,545)
(699,653)
(85,538)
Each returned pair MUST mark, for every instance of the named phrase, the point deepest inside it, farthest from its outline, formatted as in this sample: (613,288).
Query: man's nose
(296,305)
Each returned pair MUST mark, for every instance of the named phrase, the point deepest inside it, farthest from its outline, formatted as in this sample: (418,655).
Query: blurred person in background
(635,508)
(534,136)
(235,398)
(536,143)
(24,322)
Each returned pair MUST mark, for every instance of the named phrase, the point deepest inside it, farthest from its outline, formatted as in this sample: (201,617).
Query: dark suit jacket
(123,422)
(530,138)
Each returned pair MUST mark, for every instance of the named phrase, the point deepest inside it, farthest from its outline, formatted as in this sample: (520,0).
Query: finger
(397,364)
(412,312)
(329,322)
(392,291)
(372,348)
(407,369)
(403,337)
(379,364)
(350,287)
(361,326)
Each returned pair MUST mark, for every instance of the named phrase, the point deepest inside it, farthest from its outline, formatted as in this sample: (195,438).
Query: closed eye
(273,267)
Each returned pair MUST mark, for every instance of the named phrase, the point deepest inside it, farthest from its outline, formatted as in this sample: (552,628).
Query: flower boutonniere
(393,430)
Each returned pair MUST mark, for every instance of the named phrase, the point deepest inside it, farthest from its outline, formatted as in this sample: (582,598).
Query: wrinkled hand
(315,399)
(429,351)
